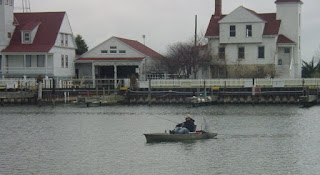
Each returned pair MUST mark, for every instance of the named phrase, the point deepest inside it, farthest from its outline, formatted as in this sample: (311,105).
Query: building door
(77,73)
(105,72)
(126,71)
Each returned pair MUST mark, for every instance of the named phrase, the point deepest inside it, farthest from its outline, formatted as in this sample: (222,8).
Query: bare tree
(186,59)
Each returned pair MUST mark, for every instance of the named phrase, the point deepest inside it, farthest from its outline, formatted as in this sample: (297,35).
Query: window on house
(0,59)
(241,52)
(222,53)
(113,47)
(286,50)
(280,62)
(10,2)
(261,52)
(66,42)
(40,60)
(113,51)
(62,61)
(28,60)
(9,35)
(122,51)
(6,2)
(0,2)
(104,51)
(67,61)
(26,37)
(232,31)
(62,39)
(249,30)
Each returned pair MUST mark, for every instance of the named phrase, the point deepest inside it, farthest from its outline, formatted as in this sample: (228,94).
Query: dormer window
(26,37)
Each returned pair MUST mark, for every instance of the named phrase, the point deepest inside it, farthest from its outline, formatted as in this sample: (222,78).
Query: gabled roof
(143,50)
(272,25)
(284,40)
(50,23)
(140,47)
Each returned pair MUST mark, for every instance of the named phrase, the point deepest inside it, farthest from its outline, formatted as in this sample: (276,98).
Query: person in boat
(185,127)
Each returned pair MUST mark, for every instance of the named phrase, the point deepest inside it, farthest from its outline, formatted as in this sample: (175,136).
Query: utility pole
(195,34)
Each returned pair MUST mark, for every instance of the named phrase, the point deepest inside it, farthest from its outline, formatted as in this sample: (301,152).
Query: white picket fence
(13,83)
(177,83)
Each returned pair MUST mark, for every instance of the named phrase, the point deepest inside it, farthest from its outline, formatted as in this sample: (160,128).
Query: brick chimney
(218,10)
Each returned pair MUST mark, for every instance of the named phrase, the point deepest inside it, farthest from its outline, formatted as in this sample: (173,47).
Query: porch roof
(110,59)
(284,40)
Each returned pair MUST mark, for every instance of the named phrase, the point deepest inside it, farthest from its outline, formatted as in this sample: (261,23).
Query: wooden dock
(99,100)
(214,95)
(17,97)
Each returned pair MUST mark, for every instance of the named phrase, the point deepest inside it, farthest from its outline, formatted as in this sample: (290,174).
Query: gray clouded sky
(164,22)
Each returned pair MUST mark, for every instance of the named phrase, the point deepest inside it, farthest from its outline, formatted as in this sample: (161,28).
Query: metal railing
(27,70)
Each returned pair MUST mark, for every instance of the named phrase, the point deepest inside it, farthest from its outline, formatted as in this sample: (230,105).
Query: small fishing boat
(166,137)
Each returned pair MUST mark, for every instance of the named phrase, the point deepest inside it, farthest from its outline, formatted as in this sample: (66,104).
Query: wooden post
(40,93)
(65,97)
(149,95)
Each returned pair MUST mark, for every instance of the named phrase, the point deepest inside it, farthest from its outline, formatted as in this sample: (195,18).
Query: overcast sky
(164,22)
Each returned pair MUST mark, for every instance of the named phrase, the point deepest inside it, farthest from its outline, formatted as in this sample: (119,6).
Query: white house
(247,41)
(33,44)
(117,58)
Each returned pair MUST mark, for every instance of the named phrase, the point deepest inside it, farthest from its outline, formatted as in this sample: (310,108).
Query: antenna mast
(26,6)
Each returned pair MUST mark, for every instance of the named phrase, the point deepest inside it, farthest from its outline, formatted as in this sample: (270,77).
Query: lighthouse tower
(289,12)
(6,22)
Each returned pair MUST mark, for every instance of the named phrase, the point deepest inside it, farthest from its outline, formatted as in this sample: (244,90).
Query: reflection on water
(109,140)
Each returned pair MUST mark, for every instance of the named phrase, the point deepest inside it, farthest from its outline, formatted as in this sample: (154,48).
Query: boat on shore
(167,137)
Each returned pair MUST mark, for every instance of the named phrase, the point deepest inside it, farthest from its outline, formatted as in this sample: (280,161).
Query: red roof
(272,25)
(284,40)
(30,26)
(141,48)
(50,23)
(213,28)
(288,1)
(110,59)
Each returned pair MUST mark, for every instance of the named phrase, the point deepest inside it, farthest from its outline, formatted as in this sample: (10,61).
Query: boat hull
(165,137)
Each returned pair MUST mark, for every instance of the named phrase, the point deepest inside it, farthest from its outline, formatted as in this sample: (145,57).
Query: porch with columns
(285,62)
(32,64)
(97,66)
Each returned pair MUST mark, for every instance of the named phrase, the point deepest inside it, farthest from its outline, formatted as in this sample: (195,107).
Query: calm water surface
(72,140)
